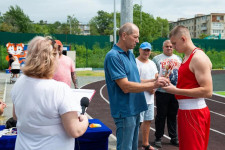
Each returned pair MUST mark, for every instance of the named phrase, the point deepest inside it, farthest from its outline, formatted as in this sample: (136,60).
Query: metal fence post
(86,54)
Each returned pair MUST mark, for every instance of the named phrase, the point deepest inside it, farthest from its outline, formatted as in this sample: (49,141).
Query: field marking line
(111,135)
(217,113)
(90,83)
(218,95)
(102,94)
(155,107)
(217,131)
(5,90)
(214,101)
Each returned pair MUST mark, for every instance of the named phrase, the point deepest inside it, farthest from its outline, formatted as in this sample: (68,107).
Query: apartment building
(212,24)
(85,29)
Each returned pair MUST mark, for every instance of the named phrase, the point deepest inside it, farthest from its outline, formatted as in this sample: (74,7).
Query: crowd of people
(180,86)
(48,116)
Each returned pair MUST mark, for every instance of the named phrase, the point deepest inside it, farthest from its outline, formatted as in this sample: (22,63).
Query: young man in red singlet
(194,84)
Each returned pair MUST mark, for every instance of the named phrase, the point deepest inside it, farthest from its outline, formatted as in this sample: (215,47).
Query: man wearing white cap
(148,73)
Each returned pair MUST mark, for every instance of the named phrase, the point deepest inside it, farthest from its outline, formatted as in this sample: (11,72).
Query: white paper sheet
(89,93)
(80,93)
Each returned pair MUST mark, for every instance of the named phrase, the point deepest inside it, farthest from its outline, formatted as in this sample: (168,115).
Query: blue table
(93,138)
(7,142)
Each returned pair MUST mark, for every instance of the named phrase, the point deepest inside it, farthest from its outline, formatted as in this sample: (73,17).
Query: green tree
(6,27)
(101,23)
(74,24)
(40,28)
(54,28)
(203,35)
(150,28)
(15,17)
(64,28)
(1,18)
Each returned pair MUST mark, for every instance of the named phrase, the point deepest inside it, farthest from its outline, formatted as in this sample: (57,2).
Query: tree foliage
(101,24)
(16,20)
(150,28)
(203,35)
(73,23)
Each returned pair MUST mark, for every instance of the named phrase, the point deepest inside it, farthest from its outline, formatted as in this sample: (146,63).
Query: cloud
(84,10)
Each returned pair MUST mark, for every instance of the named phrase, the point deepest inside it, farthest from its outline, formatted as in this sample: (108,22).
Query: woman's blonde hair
(41,58)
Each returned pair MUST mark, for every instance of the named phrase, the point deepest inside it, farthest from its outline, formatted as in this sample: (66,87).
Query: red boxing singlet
(186,78)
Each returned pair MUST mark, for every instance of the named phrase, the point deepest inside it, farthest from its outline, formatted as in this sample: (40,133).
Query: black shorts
(15,71)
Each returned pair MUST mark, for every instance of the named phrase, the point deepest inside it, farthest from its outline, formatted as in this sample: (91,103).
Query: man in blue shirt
(125,91)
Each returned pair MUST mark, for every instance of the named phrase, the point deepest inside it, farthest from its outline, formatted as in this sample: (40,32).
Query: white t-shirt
(39,104)
(15,64)
(147,71)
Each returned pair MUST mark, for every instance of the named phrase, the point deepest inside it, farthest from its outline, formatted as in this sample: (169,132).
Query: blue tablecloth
(93,138)
(7,142)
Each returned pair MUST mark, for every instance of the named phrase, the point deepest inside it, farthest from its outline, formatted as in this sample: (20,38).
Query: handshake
(161,82)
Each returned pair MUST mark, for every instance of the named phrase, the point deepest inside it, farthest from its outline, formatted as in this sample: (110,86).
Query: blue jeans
(127,130)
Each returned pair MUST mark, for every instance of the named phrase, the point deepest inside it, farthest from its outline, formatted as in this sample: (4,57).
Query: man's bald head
(127,28)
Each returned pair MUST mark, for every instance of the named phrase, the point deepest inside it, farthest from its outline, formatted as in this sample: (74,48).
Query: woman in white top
(45,109)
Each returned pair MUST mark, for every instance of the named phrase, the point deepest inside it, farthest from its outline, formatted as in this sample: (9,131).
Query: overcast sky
(84,10)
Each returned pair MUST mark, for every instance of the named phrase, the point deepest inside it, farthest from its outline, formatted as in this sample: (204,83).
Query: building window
(217,25)
(218,18)
(217,31)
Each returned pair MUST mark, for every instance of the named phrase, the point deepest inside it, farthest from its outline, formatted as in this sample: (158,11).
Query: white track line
(91,83)
(155,107)
(217,114)
(102,94)
(218,95)
(214,101)
(217,131)
(163,134)
(5,90)
(170,138)
(108,103)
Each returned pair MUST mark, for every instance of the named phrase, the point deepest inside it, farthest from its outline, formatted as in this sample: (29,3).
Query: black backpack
(10,123)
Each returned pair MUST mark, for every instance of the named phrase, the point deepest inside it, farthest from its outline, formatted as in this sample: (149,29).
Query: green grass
(90,73)
(221,93)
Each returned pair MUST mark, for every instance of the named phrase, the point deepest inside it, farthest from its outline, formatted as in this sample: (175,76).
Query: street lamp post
(70,25)
(141,13)
(71,17)
(114,29)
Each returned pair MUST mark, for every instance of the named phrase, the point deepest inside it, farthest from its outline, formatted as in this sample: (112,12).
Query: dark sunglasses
(53,46)
(146,50)
(53,42)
